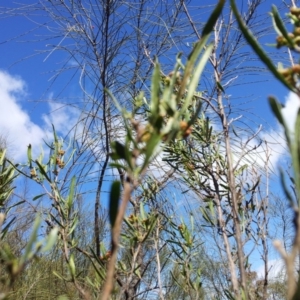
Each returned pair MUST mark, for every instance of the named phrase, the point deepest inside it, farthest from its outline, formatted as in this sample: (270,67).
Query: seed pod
(295,11)
(61,152)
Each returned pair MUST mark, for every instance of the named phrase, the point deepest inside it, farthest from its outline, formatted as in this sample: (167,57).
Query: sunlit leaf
(70,198)
(155,89)
(50,240)
(71,265)
(28,252)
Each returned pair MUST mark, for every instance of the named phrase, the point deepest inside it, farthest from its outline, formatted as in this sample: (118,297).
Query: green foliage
(186,273)
(12,264)
(165,121)
(62,222)
(7,176)
(150,240)
(31,249)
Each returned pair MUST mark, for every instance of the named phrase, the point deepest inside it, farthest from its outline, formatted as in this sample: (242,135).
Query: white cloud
(292,104)
(273,140)
(15,123)
(64,117)
(276,143)
(273,147)
(276,269)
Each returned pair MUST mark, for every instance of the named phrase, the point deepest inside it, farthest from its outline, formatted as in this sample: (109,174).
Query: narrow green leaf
(286,189)
(206,216)
(155,90)
(209,26)
(194,55)
(229,295)
(142,210)
(38,196)
(296,153)
(211,208)
(118,166)
(196,76)
(96,257)
(48,145)
(118,106)
(118,150)
(192,222)
(29,155)
(74,225)
(168,91)
(153,222)
(70,199)
(101,275)
(16,168)
(234,131)
(72,266)
(50,240)
(5,229)
(54,134)
(153,142)
(70,157)
(33,238)
(114,201)
(219,85)
(55,219)
(2,156)
(129,225)
(17,204)
(276,108)
(279,24)
(176,281)
(58,275)
(42,170)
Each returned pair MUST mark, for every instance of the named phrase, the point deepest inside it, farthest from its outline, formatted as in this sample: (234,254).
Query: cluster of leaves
(13,264)
(186,273)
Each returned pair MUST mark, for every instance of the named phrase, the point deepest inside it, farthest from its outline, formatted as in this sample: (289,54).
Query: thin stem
(116,231)
(156,242)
